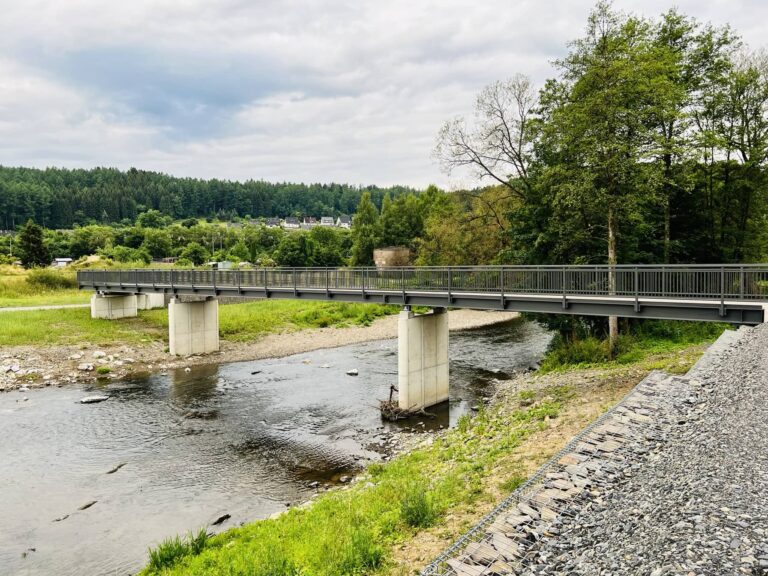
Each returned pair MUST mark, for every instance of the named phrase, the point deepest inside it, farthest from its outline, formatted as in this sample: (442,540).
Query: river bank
(394,517)
(40,366)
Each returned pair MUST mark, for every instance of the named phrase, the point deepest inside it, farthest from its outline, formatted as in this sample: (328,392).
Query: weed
(103,370)
(417,508)
(170,551)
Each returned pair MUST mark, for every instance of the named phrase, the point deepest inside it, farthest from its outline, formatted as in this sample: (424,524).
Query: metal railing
(720,282)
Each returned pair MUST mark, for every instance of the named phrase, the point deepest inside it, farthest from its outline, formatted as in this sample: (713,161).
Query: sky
(299,91)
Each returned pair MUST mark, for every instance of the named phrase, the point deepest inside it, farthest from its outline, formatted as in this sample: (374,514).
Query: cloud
(350,91)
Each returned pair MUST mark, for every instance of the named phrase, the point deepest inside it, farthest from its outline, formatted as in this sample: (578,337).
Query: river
(245,439)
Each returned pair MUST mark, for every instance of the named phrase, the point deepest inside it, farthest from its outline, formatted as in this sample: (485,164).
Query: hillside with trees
(60,198)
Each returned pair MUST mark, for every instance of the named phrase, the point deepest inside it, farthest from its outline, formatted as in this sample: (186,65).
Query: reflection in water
(243,439)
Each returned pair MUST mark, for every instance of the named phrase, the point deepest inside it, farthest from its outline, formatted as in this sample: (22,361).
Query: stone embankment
(673,480)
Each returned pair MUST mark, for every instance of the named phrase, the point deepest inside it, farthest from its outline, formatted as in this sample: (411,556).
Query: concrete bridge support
(193,327)
(422,359)
(113,306)
(150,301)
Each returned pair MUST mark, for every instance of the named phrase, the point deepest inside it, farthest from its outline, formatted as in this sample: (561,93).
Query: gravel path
(672,481)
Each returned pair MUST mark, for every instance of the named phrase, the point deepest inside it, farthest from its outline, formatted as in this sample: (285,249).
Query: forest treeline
(60,198)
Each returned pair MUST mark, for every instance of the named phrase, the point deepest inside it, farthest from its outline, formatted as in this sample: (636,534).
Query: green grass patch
(42,287)
(649,339)
(170,551)
(70,326)
(353,531)
(251,320)
(237,322)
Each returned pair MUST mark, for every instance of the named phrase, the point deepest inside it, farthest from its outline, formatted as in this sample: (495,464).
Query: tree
(195,253)
(365,232)
(33,250)
(157,242)
(499,147)
(597,124)
(152,219)
(296,250)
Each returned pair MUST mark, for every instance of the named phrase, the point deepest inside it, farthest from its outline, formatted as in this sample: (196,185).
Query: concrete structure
(61,262)
(113,306)
(391,256)
(193,327)
(150,301)
(422,351)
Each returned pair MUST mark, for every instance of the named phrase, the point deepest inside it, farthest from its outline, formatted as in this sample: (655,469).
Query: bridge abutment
(193,327)
(113,306)
(150,301)
(422,359)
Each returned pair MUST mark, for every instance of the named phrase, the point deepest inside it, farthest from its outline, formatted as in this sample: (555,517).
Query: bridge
(736,294)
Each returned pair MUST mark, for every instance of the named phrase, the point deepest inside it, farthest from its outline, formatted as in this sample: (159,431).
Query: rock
(87,505)
(221,519)
(24,389)
(325,366)
(255,372)
(314,484)
(75,356)
(85,367)
(61,518)
(93,399)
(116,468)
(99,354)
(187,369)
(353,372)
(345,479)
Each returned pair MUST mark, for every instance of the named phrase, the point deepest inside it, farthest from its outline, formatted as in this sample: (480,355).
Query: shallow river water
(244,439)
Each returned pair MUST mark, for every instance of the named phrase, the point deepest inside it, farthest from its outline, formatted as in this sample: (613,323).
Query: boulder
(93,399)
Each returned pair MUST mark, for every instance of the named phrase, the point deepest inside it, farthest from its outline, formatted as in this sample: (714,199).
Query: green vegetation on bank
(39,287)
(238,322)
(644,340)
(353,531)
(249,320)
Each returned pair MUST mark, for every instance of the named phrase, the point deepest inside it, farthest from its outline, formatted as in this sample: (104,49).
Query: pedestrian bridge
(736,294)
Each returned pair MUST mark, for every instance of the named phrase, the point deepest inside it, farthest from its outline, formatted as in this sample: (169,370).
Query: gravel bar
(673,480)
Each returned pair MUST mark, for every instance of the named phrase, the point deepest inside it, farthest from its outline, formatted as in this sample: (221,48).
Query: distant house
(326,221)
(291,222)
(272,223)
(168,260)
(344,222)
(309,222)
(61,262)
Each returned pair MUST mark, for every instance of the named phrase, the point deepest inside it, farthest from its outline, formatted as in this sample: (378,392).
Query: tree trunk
(613,321)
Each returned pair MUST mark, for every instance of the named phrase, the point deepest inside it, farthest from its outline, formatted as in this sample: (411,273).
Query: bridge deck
(737,294)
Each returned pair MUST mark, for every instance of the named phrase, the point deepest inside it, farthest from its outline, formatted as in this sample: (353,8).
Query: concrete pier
(150,301)
(113,306)
(193,327)
(422,359)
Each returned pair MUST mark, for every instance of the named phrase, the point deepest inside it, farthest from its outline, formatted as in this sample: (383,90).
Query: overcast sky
(313,91)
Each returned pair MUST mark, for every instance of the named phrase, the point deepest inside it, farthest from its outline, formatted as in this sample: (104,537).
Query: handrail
(719,282)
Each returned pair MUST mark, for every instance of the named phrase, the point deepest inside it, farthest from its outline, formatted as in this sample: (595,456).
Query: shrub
(46,279)
(417,508)
(103,370)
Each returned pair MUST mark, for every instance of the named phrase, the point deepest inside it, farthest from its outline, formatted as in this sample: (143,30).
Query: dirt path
(57,365)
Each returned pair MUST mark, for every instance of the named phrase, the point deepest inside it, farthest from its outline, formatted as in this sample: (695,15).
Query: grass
(70,326)
(251,320)
(238,322)
(354,531)
(42,287)
(170,551)
(649,340)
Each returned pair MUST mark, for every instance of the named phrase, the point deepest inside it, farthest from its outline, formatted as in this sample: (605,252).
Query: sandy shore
(27,366)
